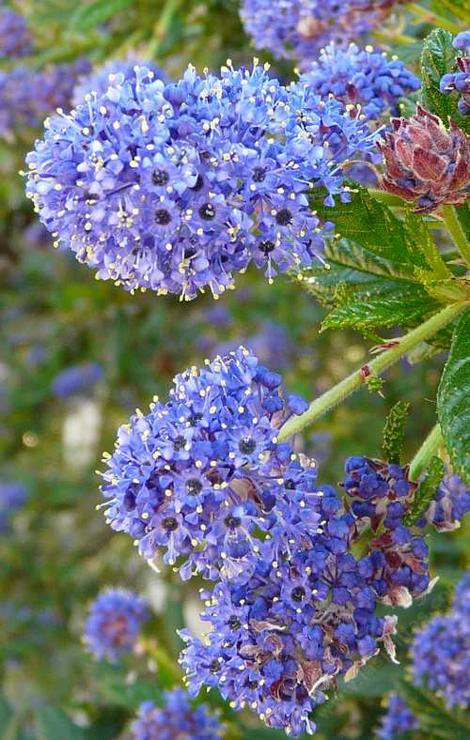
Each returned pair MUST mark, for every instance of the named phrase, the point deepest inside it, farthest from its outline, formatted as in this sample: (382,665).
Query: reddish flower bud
(425,162)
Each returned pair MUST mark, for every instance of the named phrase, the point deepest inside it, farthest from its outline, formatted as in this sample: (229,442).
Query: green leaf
(453,400)
(438,58)
(433,716)
(459,8)
(54,724)
(426,491)
(9,722)
(111,685)
(394,432)
(93,14)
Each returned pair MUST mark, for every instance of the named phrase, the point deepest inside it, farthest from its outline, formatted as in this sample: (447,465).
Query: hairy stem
(426,452)
(399,347)
(452,222)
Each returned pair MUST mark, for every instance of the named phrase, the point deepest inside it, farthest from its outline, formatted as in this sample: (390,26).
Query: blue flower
(113,623)
(460,81)
(176,719)
(398,720)
(114,72)
(176,187)
(15,39)
(12,497)
(367,77)
(451,502)
(77,379)
(201,477)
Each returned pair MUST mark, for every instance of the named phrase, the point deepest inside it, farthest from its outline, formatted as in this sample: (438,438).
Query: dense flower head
(440,653)
(176,719)
(459,81)
(398,719)
(461,602)
(12,498)
(116,71)
(201,479)
(15,40)
(176,187)
(299,29)
(425,162)
(363,76)
(77,379)
(114,622)
(27,97)
(450,504)
(304,618)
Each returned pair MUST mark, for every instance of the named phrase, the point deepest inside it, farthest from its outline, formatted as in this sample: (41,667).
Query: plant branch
(426,452)
(452,222)
(399,347)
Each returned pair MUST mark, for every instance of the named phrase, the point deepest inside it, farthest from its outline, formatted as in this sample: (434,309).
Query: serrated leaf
(389,306)
(426,491)
(437,59)
(97,12)
(453,399)
(394,432)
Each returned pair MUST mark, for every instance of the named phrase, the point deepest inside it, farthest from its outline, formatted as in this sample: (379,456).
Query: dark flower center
(129,500)
(179,442)
(259,174)
(284,217)
(298,593)
(170,524)
(207,212)
(247,446)
(289,484)
(214,666)
(162,216)
(233,521)
(160,177)
(198,184)
(193,486)
(194,418)
(266,246)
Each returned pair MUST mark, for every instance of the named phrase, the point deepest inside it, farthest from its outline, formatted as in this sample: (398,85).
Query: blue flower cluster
(175,187)
(77,379)
(197,477)
(363,76)
(300,29)
(450,504)
(114,622)
(15,40)
(176,719)
(114,72)
(460,81)
(398,720)
(27,97)
(440,652)
(12,497)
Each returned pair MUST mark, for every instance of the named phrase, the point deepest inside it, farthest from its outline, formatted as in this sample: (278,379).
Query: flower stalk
(426,452)
(396,349)
(451,220)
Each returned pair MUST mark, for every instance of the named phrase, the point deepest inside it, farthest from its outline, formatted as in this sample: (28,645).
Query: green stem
(427,450)
(342,390)
(428,16)
(452,222)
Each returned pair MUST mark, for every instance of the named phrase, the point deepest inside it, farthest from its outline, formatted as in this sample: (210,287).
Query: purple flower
(366,77)
(398,720)
(176,719)
(176,187)
(440,653)
(450,504)
(15,40)
(114,72)
(12,497)
(113,623)
(201,477)
(77,379)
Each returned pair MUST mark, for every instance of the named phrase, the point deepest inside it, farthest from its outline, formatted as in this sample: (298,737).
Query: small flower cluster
(196,478)
(77,379)
(176,187)
(27,97)
(440,652)
(15,40)
(450,504)
(114,72)
(363,76)
(113,623)
(300,29)
(398,720)
(460,81)
(176,719)
(12,498)
(426,163)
